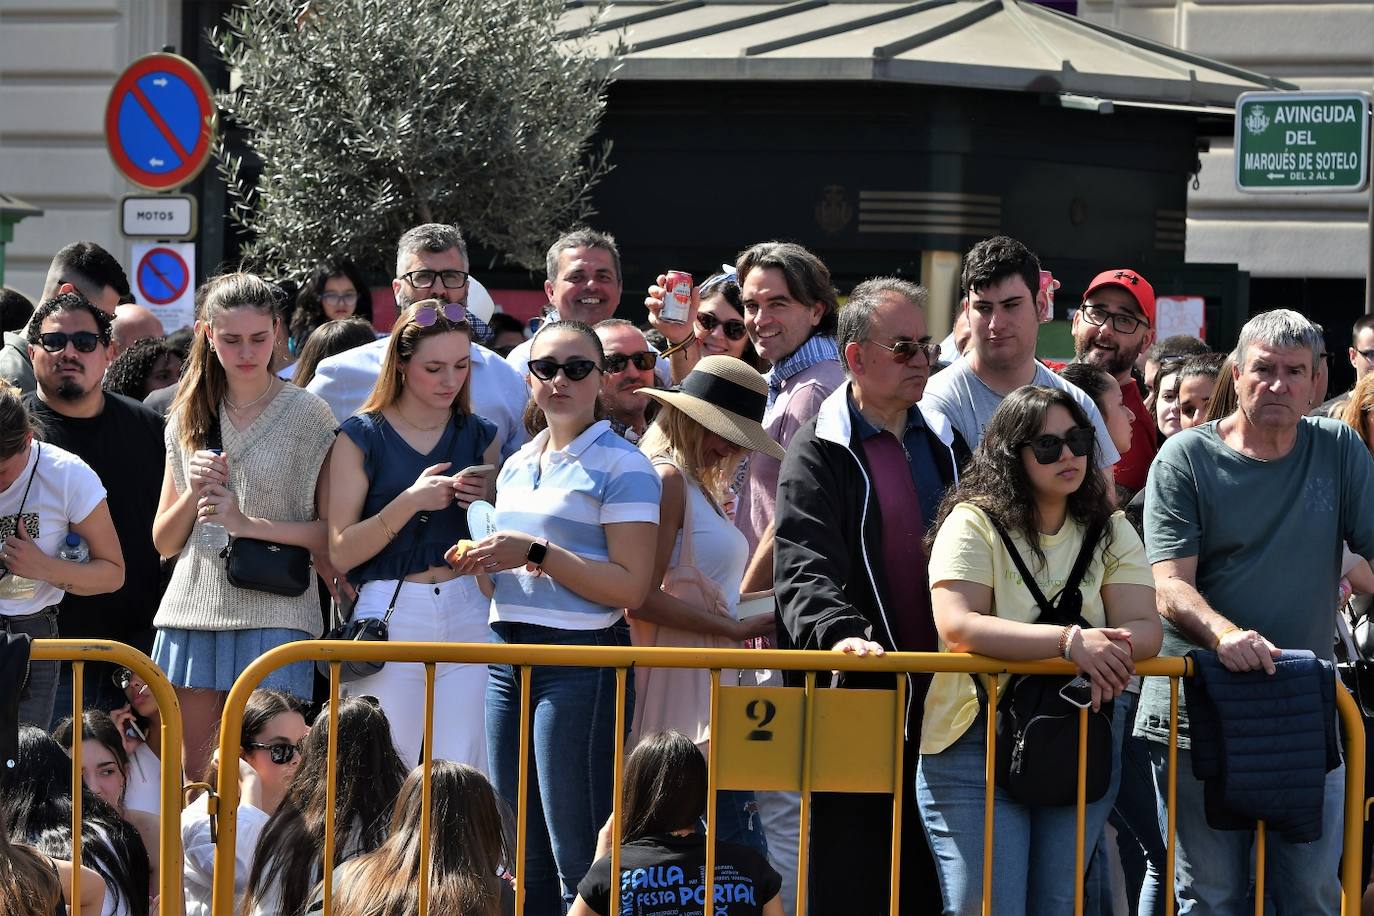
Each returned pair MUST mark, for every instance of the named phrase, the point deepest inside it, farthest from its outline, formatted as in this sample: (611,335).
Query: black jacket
(14,672)
(827,561)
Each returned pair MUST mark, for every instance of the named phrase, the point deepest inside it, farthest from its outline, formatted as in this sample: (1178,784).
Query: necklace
(235,407)
(413,425)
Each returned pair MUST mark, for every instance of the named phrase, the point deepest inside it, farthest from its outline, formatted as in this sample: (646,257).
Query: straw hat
(726,396)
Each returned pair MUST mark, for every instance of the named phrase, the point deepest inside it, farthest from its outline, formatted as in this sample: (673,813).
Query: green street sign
(1302,141)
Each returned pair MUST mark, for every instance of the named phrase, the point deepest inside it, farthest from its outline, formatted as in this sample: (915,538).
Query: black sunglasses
(734,328)
(281,753)
(56,341)
(575,369)
(122,678)
(1048,448)
(616,362)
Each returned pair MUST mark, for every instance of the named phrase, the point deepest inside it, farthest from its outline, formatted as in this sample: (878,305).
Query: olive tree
(366,117)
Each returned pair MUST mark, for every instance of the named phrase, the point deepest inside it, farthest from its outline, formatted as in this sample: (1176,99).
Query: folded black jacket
(14,671)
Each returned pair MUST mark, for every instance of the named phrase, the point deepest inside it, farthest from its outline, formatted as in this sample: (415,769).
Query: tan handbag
(679,698)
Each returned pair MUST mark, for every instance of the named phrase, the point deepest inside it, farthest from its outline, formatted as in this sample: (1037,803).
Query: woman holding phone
(401,477)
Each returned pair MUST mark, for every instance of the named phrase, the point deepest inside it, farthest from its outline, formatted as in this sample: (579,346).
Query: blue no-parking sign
(164,278)
(159,122)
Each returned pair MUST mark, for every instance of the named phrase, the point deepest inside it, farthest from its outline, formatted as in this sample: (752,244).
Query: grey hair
(1280,329)
(432,237)
(856,318)
(582,237)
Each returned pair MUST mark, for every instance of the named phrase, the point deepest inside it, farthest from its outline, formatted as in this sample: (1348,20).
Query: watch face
(536,553)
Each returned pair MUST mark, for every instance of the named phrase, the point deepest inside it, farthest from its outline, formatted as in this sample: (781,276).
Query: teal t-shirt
(1267,535)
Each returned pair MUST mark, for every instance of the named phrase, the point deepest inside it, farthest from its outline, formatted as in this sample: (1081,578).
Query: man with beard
(1111,329)
(629,366)
(69,344)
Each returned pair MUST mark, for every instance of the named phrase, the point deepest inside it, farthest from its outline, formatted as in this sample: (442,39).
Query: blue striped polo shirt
(599,479)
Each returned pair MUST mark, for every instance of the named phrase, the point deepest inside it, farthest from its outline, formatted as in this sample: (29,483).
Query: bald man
(132,323)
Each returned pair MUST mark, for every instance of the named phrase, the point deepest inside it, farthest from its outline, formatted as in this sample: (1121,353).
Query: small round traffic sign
(162,276)
(159,121)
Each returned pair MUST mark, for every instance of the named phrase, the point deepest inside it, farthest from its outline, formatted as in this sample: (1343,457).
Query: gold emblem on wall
(833,212)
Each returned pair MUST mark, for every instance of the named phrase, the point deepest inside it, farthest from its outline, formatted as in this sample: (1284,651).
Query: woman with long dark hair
(665,798)
(244,453)
(369,774)
(468,848)
(32,884)
(335,289)
(1035,477)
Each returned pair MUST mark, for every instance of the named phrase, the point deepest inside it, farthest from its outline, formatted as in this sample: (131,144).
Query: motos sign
(1302,141)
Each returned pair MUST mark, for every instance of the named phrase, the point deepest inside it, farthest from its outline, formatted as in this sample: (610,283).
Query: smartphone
(1078,692)
(476,470)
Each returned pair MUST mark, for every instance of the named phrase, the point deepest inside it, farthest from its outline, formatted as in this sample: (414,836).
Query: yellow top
(969,549)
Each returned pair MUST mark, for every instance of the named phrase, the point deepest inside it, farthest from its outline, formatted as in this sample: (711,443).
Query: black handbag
(1037,729)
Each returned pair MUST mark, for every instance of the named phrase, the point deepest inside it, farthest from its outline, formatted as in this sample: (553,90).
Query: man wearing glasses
(1114,325)
(431,263)
(121,440)
(629,366)
(1361,359)
(851,576)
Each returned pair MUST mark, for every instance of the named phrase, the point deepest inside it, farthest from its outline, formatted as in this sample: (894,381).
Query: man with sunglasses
(859,487)
(1113,326)
(431,263)
(1361,360)
(629,366)
(121,440)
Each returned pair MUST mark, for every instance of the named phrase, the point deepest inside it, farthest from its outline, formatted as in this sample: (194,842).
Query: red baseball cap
(1133,283)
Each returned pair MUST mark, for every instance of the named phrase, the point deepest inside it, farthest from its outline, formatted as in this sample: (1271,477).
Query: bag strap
(24,499)
(391,606)
(1050,612)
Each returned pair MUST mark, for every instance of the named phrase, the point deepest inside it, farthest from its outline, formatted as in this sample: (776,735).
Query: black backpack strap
(1046,609)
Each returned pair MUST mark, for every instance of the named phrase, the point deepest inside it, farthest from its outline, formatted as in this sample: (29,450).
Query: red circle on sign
(177,289)
(182,68)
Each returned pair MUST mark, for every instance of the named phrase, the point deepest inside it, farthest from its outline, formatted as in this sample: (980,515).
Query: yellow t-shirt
(969,549)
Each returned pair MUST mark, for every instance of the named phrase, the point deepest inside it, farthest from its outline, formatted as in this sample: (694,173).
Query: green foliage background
(371,116)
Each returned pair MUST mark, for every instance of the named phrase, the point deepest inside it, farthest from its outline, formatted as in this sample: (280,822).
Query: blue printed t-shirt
(599,479)
(665,875)
(392,465)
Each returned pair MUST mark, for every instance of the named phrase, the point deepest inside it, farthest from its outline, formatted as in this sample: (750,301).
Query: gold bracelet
(386,529)
(1225,633)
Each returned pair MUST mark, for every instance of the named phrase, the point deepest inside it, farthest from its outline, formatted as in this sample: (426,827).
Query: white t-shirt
(199,866)
(143,790)
(65,491)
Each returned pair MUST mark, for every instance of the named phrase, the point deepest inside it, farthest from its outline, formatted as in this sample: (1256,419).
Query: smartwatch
(539,549)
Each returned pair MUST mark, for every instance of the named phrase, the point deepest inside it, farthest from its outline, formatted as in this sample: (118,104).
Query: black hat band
(725,394)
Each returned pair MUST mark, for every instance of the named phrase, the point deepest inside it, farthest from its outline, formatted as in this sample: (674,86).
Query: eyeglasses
(903,350)
(56,341)
(1121,322)
(282,753)
(575,369)
(644,360)
(350,298)
(424,279)
(426,315)
(734,328)
(1048,448)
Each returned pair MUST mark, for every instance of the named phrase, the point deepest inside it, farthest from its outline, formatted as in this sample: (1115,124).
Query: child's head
(1103,388)
(665,785)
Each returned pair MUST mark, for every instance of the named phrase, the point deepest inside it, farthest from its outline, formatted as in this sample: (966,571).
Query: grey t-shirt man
(1267,535)
(968,403)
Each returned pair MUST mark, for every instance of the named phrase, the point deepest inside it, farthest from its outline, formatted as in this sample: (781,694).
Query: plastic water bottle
(210,535)
(75,549)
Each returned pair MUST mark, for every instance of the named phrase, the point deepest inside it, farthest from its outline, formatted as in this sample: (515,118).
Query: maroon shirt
(1134,466)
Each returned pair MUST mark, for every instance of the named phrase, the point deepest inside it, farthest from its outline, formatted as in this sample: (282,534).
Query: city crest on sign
(1257,122)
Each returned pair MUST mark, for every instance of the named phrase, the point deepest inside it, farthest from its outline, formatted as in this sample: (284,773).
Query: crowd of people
(778,469)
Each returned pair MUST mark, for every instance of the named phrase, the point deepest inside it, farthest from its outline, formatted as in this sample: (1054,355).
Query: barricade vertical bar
(426,788)
(522,789)
(711,757)
(1171,799)
(804,821)
(1080,826)
(1259,867)
(78,696)
(1355,751)
(331,787)
(895,876)
(989,782)
(617,789)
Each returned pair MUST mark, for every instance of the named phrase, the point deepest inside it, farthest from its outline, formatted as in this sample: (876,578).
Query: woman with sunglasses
(269,755)
(714,325)
(1034,475)
(244,453)
(401,478)
(577,512)
(139,725)
(46,494)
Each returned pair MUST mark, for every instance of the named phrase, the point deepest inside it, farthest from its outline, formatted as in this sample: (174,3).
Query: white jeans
(453,611)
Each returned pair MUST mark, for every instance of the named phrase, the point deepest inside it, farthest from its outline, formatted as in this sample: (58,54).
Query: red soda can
(677,300)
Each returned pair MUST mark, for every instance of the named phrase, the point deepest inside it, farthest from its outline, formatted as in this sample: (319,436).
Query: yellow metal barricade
(795,738)
(80,652)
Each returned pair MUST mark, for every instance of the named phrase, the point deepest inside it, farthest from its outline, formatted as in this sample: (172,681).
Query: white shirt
(143,791)
(199,866)
(499,393)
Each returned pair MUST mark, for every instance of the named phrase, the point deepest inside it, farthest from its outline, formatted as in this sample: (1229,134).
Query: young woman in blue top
(401,477)
(577,513)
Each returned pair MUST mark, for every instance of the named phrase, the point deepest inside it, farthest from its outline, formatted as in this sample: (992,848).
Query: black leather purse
(266,566)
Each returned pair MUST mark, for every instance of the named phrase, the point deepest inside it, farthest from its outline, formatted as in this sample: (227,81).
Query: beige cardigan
(273,469)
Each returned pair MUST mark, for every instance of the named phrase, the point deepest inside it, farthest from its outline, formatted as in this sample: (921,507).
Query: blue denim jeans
(737,813)
(1213,868)
(39,695)
(571,746)
(1033,847)
(1136,819)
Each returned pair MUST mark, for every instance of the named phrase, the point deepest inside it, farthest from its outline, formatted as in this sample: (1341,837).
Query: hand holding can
(677,297)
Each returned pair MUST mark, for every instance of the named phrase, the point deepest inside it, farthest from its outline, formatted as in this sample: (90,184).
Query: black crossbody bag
(1037,729)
